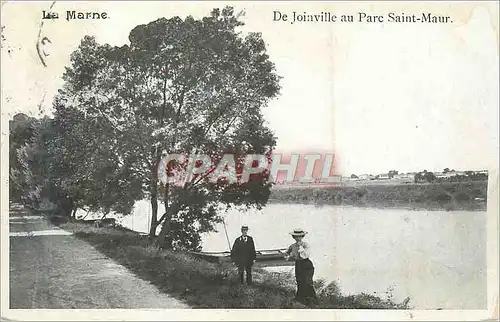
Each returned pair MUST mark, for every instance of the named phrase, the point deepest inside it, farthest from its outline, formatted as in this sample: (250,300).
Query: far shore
(449,196)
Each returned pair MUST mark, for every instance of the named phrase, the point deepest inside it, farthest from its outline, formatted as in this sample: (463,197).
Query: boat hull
(271,257)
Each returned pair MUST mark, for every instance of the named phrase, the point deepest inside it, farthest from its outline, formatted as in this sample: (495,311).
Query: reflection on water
(437,258)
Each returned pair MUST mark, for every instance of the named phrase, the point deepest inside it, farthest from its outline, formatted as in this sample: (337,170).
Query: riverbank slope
(201,284)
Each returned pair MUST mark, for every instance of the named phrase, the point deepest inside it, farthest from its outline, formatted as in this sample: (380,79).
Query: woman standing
(304,268)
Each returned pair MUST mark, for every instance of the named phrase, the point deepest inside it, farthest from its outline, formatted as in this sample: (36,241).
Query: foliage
(425,176)
(392,173)
(21,132)
(468,177)
(86,166)
(180,86)
(27,158)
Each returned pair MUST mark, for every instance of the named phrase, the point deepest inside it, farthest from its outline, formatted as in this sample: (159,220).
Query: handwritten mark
(40,104)
(43,41)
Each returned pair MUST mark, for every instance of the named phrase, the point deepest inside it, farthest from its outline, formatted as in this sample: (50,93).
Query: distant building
(442,175)
(366,177)
(405,176)
(449,174)
(384,176)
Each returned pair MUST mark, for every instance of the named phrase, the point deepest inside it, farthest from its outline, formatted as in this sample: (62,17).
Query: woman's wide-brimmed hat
(298,232)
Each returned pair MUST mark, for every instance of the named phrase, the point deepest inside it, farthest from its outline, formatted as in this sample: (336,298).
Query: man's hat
(298,232)
(244,227)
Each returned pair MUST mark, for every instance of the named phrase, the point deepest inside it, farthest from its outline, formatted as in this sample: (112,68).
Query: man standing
(243,254)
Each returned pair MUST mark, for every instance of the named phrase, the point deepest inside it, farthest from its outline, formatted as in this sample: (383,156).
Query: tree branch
(222,111)
(164,101)
(203,176)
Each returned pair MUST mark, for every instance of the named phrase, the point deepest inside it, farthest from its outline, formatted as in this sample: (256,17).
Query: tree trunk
(66,207)
(154,214)
(165,228)
(166,222)
(154,194)
(166,218)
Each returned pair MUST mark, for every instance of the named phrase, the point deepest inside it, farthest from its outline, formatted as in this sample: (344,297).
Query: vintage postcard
(249,160)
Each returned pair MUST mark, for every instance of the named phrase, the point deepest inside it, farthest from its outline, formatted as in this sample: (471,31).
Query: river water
(437,258)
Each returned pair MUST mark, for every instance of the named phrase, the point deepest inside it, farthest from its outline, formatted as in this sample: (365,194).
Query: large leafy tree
(22,131)
(28,158)
(181,86)
(86,168)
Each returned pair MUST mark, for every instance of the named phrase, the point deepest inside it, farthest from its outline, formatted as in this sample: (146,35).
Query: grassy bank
(433,196)
(201,284)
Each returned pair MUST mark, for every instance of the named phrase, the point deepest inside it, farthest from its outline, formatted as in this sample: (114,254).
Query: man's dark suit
(243,254)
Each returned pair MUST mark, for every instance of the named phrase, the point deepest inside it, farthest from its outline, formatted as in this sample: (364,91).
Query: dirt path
(50,269)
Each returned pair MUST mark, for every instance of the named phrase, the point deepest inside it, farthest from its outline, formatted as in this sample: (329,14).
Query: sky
(406,97)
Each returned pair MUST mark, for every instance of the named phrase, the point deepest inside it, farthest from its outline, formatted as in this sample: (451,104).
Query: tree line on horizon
(181,85)
(428,176)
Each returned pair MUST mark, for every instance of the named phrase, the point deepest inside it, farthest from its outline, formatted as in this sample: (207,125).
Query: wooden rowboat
(268,257)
